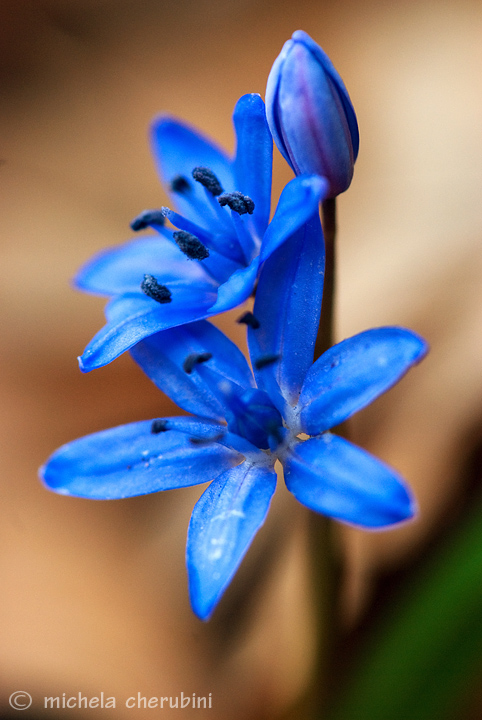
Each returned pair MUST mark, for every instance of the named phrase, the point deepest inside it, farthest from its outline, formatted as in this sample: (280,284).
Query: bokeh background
(94,595)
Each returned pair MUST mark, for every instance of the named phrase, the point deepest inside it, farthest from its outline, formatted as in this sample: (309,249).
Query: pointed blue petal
(131,460)
(162,356)
(236,289)
(121,269)
(338,479)
(351,374)
(287,306)
(254,157)
(131,318)
(223,524)
(298,203)
(178,149)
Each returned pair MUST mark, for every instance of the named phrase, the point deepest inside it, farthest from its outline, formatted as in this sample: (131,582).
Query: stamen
(249,319)
(194,359)
(190,245)
(180,184)
(246,239)
(266,360)
(153,289)
(183,186)
(208,179)
(147,218)
(158,426)
(205,441)
(183,224)
(238,202)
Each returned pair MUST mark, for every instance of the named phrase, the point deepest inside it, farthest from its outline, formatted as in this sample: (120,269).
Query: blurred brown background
(94,595)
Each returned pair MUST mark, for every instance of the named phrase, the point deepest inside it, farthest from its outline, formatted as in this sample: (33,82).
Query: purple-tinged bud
(310,114)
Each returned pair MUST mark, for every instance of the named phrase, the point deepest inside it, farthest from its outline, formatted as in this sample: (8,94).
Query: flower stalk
(325,565)
(325,338)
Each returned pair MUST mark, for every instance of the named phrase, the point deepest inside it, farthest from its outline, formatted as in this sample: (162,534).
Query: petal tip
(406,511)
(162,119)
(202,610)
(82,365)
(41,472)
(424,349)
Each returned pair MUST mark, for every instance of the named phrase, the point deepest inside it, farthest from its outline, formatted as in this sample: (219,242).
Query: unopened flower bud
(310,114)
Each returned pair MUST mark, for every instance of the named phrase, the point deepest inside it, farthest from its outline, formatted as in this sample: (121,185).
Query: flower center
(253,416)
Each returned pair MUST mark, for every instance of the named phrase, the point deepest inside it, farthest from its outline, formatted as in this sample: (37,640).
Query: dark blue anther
(205,441)
(147,218)
(180,184)
(190,245)
(266,360)
(158,426)
(208,179)
(249,319)
(238,202)
(153,289)
(194,359)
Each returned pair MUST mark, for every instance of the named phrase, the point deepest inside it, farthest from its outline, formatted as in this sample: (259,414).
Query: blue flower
(244,421)
(210,261)
(310,114)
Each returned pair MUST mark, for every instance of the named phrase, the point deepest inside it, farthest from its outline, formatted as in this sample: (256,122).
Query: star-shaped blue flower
(211,258)
(244,421)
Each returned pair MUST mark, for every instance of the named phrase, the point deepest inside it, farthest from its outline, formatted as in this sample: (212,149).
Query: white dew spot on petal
(227,514)
(217,551)
(216,554)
